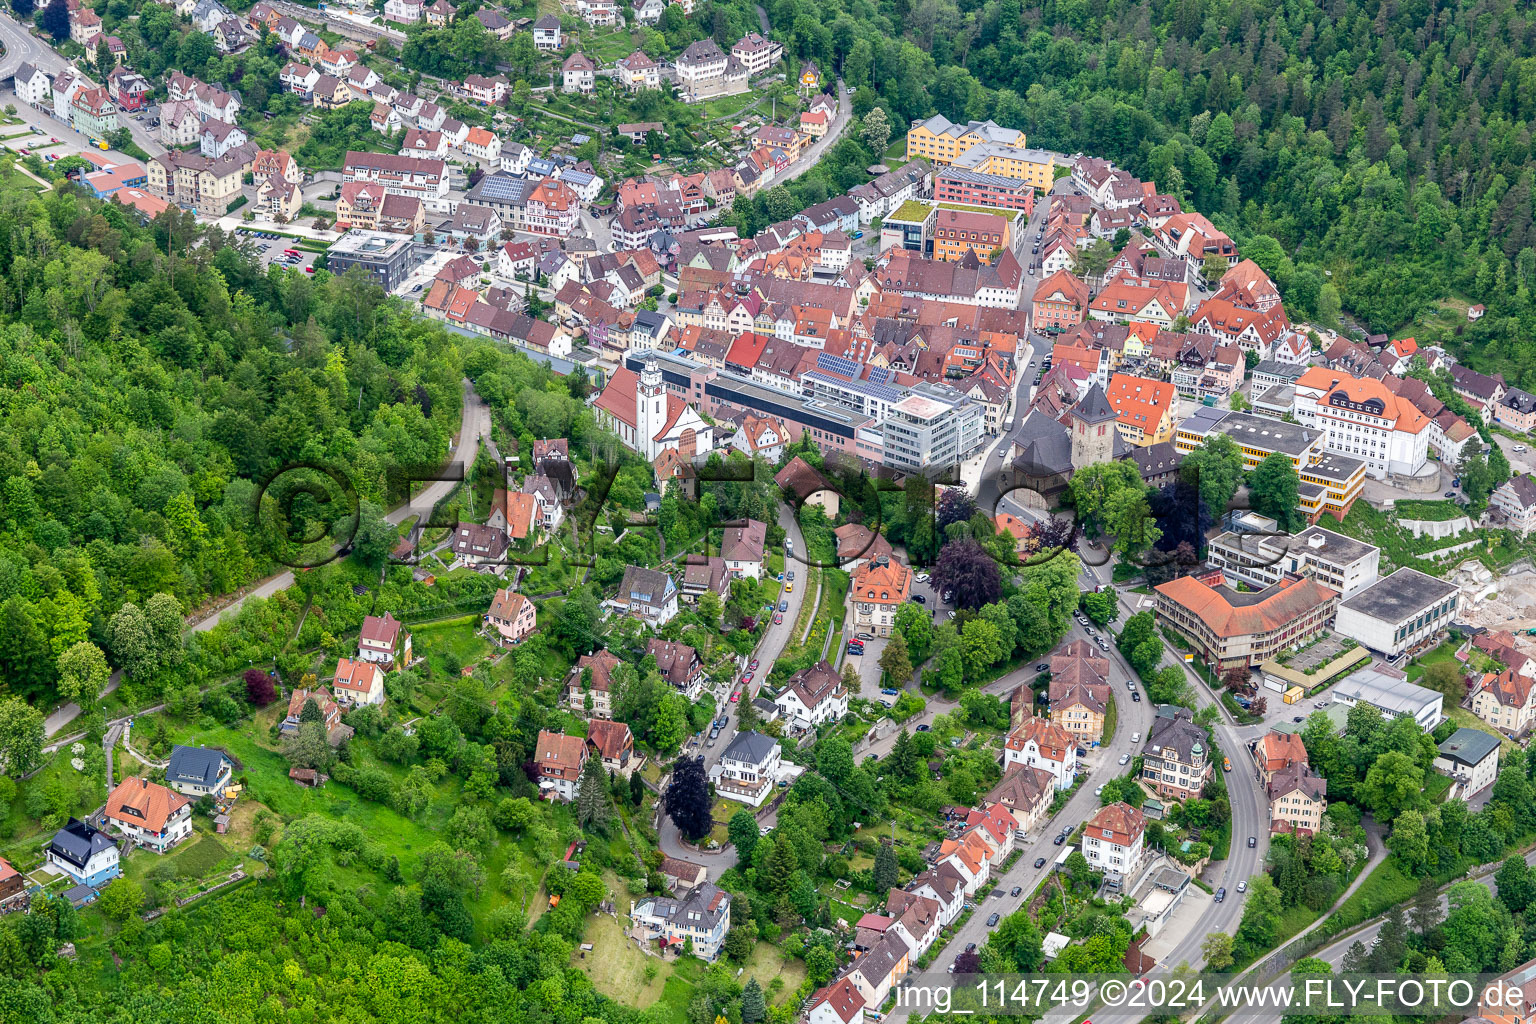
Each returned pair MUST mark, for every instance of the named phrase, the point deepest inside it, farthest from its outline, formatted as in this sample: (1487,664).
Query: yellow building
(942,142)
(1329,483)
(1034,167)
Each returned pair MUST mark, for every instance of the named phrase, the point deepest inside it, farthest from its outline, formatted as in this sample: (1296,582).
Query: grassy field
(451,644)
(620,970)
(1387,885)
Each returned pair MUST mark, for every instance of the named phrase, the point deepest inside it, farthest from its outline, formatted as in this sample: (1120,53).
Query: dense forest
(155,378)
(1374,157)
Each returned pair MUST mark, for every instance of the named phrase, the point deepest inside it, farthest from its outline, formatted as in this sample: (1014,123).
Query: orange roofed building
(1229,629)
(150,815)
(1143,408)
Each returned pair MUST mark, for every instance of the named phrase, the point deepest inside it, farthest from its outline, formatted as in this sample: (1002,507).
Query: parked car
(1135,737)
(1242,886)
(992,921)
(778,617)
(865,636)
(919,598)
(1042,667)
(890,692)
(1448,494)
(1059,840)
(1253,841)
(1221,894)
(735,696)
(783,606)
(1039,863)
(1226,764)
(1099,791)
(970,947)
(1297,718)
(1136,697)
(1125,758)
(924,728)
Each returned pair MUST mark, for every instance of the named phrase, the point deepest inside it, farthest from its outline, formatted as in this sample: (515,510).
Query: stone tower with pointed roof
(1093,429)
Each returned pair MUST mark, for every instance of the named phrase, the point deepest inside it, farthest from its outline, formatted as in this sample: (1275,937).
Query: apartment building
(205,185)
(1231,629)
(425,179)
(942,142)
(1261,560)
(1113,842)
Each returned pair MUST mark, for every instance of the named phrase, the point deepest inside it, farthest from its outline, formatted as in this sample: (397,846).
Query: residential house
(547,36)
(749,769)
(876,972)
(681,875)
(330,713)
(699,920)
(837,1003)
(33,86)
(744,548)
(1039,743)
(476,544)
(197,772)
(577,74)
(559,759)
(1471,758)
(84,853)
(1176,760)
(1276,751)
(1060,302)
(613,744)
(880,587)
(512,615)
(813,696)
(591,682)
(1505,701)
(1026,792)
(384,640)
(679,665)
(1079,690)
(219,138)
(1513,504)
(148,814)
(482,145)
(358,683)
(637,71)
(646,594)
(1298,797)
(12,882)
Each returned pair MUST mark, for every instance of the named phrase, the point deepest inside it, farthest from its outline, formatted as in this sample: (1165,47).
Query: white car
(1125,758)
(1135,737)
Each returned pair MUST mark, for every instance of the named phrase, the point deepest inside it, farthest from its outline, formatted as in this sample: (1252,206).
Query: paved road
(21,46)
(476,421)
(773,643)
(1133,718)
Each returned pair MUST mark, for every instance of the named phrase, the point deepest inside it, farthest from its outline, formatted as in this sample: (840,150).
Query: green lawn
(1385,887)
(1111,719)
(451,644)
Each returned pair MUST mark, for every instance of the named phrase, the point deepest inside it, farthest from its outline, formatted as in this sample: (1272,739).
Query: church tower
(1093,429)
(650,410)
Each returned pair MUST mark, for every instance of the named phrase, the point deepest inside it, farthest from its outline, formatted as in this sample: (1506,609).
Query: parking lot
(868,663)
(271,248)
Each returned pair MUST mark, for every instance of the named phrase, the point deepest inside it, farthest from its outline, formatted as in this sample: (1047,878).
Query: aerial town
(627,512)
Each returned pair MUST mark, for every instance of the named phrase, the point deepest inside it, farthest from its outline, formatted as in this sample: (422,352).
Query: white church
(648,419)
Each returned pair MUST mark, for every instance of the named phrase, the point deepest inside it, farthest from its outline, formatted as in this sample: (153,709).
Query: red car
(778,617)
(753,666)
(735,696)
(746,678)
(54,141)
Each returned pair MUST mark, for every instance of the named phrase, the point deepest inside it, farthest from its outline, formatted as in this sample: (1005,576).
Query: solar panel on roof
(881,375)
(837,364)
